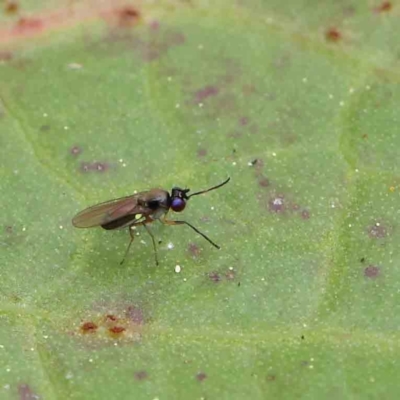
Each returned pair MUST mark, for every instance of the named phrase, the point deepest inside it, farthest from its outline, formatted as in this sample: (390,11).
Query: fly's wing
(108,211)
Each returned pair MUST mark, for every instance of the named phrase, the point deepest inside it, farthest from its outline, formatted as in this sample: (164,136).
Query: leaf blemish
(135,315)
(94,166)
(277,204)
(305,214)
(201,152)
(201,376)
(333,35)
(116,330)
(141,375)
(28,25)
(204,93)
(377,231)
(194,250)
(89,327)
(11,7)
(127,16)
(26,393)
(372,271)
(214,276)
(75,150)
(384,7)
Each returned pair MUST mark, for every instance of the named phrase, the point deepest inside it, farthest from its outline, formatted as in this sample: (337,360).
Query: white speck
(304,80)
(69,375)
(200,47)
(90,360)
(351,90)
(1,346)
(143,242)
(230,268)
(23,229)
(273,154)
(135,191)
(61,227)
(32,349)
(368,87)
(75,66)
(6,386)
(170,246)
(378,224)
(262,279)
(356,170)
(234,163)
(184,279)
(66,128)
(121,160)
(249,163)
(8,369)
(212,208)
(278,201)
(169,79)
(349,225)
(304,325)
(331,96)
(341,103)
(200,104)
(177,105)
(124,165)
(177,269)
(45,337)
(45,115)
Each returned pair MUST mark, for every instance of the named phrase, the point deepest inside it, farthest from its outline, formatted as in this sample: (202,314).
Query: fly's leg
(154,242)
(131,233)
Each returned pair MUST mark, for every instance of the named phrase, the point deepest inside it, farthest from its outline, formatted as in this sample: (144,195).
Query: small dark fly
(140,209)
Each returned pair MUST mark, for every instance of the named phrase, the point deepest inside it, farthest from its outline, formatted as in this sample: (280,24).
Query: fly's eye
(153,204)
(178,204)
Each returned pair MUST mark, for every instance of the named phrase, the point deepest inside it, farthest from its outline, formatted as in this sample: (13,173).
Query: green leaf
(298,103)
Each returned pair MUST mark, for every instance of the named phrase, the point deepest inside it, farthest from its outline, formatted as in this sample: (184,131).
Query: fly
(140,209)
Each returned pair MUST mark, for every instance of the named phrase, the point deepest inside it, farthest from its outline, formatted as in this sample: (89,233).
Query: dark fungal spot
(305,214)
(384,7)
(263,182)
(214,276)
(111,317)
(204,93)
(141,375)
(128,16)
(135,315)
(89,327)
(194,250)
(25,392)
(277,204)
(75,150)
(11,7)
(377,231)
(372,271)
(333,35)
(116,330)
(201,376)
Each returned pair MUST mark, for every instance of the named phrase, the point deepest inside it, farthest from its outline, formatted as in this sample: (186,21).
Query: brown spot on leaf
(377,231)
(89,327)
(214,276)
(128,16)
(8,229)
(384,7)
(194,250)
(94,166)
(230,275)
(111,317)
(141,375)
(244,121)
(201,376)
(75,150)
(6,56)
(204,93)
(305,214)
(135,315)
(116,330)
(28,25)
(372,271)
(26,393)
(263,181)
(277,204)
(333,35)
(11,7)
(201,152)
(270,378)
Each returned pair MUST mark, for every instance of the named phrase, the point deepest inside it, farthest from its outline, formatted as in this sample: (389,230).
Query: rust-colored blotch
(116,330)
(333,35)
(89,327)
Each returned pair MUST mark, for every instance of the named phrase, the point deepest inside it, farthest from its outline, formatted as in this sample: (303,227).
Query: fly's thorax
(157,201)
